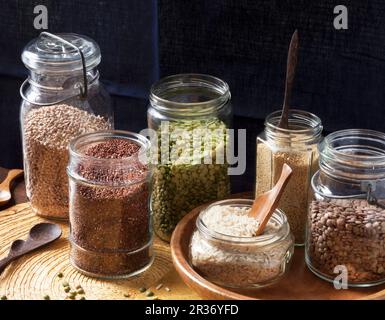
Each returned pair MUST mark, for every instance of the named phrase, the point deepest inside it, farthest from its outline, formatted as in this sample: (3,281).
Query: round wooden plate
(299,283)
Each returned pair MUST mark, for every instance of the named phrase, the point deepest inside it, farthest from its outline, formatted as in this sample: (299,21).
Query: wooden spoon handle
(273,198)
(5,262)
(12,174)
(291,66)
(282,181)
(15,251)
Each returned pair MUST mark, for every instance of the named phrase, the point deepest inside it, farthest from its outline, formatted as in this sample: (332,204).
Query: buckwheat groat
(47,132)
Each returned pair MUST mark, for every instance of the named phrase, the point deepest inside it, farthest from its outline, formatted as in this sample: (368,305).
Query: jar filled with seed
(111,233)
(296,146)
(346,222)
(62,99)
(189,115)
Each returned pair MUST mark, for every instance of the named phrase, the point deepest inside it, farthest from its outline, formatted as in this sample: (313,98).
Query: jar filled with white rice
(225,250)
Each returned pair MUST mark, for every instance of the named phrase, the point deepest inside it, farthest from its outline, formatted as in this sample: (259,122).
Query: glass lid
(50,55)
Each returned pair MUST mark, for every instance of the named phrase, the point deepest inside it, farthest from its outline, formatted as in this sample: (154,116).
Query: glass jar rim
(352,163)
(189,80)
(312,123)
(264,239)
(329,150)
(99,136)
(111,134)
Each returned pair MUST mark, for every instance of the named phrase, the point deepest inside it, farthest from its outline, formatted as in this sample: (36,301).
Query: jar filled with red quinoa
(111,233)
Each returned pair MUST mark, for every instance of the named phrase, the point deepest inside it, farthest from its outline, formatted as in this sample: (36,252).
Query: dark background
(340,75)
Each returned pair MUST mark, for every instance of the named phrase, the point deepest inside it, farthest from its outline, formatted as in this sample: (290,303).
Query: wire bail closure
(372,199)
(82,88)
(366,186)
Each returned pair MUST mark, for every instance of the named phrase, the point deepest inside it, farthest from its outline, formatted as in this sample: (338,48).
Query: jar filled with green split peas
(296,146)
(189,115)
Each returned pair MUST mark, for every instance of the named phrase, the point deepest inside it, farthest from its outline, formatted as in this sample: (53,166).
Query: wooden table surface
(20,281)
(33,276)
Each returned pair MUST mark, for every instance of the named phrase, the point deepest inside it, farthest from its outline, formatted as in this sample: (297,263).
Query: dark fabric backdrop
(340,76)
(127,34)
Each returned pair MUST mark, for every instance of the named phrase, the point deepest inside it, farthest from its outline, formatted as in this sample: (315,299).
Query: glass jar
(190,115)
(296,146)
(62,98)
(346,224)
(242,262)
(111,233)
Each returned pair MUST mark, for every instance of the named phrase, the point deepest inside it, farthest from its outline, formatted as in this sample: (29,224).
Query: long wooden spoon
(292,58)
(39,236)
(5,186)
(264,205)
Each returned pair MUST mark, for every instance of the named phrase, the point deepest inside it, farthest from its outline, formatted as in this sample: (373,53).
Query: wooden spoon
(264,205)
(292,58)
(5,186)
(39,236)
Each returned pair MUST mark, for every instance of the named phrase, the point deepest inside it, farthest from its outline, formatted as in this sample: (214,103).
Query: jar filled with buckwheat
(346,220)
(62,99)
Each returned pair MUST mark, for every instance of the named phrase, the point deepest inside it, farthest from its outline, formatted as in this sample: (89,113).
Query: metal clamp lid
(368,188)
(83,88)
(371,198)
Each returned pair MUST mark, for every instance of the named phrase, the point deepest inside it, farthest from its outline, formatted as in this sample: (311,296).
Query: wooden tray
(299,283)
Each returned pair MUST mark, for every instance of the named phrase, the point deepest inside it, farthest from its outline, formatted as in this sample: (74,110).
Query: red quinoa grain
(110,215)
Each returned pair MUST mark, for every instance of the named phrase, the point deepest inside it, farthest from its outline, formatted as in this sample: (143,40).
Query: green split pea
(186,182)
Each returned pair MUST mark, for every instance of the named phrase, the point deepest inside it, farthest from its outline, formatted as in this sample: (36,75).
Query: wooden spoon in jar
(292,58)
(264,205)
(5,186)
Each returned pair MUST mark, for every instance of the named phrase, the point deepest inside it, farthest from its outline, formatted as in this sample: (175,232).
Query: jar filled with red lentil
(111,232)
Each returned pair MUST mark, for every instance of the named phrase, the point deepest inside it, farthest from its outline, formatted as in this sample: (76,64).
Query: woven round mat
(36,274)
